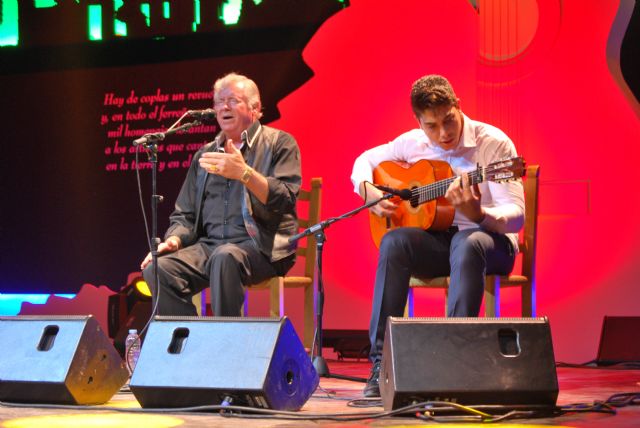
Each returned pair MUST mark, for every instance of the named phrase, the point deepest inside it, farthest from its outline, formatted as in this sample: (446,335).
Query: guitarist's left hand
(465,198)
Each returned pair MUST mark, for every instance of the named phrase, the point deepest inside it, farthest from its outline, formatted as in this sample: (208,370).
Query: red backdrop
(540,72)
(545,71)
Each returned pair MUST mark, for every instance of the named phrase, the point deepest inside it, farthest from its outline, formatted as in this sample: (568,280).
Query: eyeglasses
(231,102)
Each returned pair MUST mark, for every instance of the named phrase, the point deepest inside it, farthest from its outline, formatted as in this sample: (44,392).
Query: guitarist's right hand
(384,208)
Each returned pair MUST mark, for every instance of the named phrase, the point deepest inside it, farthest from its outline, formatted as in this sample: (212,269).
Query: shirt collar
(250,134)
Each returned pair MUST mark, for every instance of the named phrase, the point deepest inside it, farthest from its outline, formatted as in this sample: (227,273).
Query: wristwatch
(246,175)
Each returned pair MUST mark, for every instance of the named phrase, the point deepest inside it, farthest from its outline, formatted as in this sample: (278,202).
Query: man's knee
(224,258)
(473,244)
(394,242)
(469,247)
(163,263)
(147,273)
(225,253)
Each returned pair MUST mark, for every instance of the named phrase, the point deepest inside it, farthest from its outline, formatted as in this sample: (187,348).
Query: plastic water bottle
(132,349)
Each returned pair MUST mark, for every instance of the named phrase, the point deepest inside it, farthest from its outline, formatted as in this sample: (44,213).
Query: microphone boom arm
(328,222)
(148,140)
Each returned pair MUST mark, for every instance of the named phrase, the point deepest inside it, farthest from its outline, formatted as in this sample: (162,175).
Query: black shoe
(373,386)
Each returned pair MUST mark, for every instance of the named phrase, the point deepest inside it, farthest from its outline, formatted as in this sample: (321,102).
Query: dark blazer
(274,154)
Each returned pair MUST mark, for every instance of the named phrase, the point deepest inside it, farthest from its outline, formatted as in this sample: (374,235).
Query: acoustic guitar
(429,180)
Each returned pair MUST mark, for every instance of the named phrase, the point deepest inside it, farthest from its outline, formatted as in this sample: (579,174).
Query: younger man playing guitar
(482,238)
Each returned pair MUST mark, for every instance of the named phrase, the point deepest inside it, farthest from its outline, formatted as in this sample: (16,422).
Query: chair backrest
(308,250)
(530,232)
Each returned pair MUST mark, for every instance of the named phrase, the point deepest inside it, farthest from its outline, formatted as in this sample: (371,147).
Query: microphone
(206,114)
(404,194)
(149,138)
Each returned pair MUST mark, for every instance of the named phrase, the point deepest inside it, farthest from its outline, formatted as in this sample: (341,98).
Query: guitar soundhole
(414,201)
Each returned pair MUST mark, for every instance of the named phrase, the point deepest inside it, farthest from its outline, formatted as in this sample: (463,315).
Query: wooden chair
(526,280)
(276,285)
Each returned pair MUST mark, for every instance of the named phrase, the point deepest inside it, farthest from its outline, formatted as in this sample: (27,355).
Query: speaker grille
(469,361)
(187,361)
(58,360)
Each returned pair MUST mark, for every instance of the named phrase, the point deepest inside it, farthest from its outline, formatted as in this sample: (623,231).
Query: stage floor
(577,385)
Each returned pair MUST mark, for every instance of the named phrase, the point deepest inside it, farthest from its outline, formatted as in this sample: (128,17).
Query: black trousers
(225,268)
(466,256)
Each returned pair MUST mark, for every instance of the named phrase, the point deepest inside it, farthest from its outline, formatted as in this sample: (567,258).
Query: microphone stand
(149,142)
(317,230)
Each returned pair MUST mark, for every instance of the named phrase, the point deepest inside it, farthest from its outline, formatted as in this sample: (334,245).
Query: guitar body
(436,214)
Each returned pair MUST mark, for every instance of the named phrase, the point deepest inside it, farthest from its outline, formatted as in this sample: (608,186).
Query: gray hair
(251,92)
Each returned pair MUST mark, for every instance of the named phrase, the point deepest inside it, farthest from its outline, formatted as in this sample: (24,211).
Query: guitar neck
(429,192)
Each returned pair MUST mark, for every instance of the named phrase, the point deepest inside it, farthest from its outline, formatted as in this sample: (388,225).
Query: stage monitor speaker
(58,360)
(503,361)
(619,341)
(194,361)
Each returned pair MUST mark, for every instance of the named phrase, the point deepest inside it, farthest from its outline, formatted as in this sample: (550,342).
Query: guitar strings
(435,190)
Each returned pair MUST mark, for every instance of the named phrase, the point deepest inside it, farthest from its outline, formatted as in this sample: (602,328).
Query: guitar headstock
(504,170)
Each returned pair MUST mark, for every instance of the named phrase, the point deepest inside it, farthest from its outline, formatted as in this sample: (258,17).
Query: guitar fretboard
(429,192)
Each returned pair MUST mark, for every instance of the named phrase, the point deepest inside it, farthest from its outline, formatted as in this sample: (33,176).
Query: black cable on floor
(437,411)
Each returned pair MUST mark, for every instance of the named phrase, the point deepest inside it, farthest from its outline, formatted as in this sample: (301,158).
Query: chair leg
(446,301)
(281,296)
(309,316)
(275,296)
(492,296)
(245,305)
(527,296)
(200,302)
(203,301)
(196,300)
(408,308)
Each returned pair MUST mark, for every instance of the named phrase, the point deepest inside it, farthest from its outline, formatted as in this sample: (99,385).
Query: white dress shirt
(480,143)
